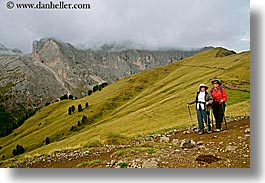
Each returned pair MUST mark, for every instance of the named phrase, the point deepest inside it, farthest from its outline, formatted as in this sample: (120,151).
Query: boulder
(175,141)
(187,143)
(151,163)
(164,139)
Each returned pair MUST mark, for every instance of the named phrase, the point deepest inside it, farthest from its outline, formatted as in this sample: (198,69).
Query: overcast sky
(152,23)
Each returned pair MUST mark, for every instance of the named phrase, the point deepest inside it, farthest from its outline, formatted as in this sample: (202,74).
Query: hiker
(203,102)
(219,98)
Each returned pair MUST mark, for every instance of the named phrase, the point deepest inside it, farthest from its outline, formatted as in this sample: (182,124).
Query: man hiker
(219,98)
(203,102)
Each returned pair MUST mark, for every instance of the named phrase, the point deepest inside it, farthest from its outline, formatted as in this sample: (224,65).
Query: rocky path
(182,148)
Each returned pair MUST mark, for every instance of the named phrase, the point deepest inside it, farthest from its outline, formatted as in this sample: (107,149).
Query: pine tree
(89,92)
(86,104)
(73,128)
(19,150)
(69,110)
(100,87)
(84,119)
(64,97)
(47,141)
(14,152)
(104,84)
(95,88)
(79,108)
(73,109)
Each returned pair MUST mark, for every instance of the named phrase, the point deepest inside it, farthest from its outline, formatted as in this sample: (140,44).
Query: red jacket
(218,95)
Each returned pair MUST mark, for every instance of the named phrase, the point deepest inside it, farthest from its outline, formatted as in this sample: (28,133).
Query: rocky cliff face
(25,85)
(28,82)
(79,69)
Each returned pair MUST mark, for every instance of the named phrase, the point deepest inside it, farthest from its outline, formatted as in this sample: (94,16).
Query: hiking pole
(212,117)
(190,114)
(223,109)
(225,122)
(207,121)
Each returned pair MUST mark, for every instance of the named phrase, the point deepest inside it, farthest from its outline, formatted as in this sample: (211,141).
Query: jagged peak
(7,51)
(2,47)
(38,44)
(112,47)
(46,39)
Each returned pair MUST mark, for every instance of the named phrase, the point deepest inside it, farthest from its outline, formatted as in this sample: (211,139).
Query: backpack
(221,89)
(223,104)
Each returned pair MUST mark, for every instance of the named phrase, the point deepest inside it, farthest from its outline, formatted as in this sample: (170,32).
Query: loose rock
(247,130)
(164,139)
(151,163)
(231,148)
(187,143)
(175,141)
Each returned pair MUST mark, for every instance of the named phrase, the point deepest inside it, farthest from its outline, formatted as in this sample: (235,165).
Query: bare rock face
(25,86)
(79,69)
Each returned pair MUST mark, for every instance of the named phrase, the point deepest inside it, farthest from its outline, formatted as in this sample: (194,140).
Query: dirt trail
(225,149)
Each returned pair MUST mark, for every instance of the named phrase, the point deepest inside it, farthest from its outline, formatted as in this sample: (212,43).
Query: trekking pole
(223,109)
(207,121)
(190,114)
(212,117)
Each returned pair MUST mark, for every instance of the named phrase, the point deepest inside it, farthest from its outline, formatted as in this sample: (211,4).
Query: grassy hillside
(146,102)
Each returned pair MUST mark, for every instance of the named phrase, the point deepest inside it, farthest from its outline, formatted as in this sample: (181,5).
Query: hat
(203,85)
(218,81)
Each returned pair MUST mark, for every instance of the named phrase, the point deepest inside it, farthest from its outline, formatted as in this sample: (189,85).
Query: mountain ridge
(152,100)
(54,69)
(63,58)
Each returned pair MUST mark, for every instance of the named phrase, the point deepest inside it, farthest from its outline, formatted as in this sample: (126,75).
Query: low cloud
(152,23)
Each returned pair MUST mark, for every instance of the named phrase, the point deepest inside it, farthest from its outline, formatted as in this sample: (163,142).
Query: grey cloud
(152,23)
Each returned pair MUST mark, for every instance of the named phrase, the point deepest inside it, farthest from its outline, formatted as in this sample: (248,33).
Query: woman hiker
(219,98)
(203,102)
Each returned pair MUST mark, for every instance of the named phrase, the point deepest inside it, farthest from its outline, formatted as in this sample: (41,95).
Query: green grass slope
(143,103)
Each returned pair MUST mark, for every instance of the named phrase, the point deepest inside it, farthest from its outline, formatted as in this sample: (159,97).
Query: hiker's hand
(207,103)
(221,101)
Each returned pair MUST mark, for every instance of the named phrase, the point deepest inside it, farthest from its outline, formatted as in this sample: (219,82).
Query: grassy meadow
(149,101)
